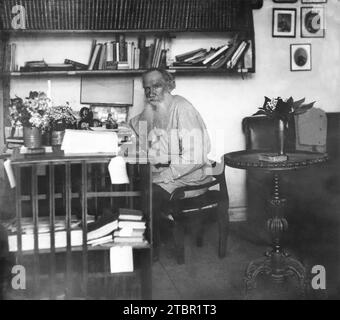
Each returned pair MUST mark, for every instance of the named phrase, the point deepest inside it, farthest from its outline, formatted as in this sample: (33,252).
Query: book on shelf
(102,240)
(93,58)
(76,64)
(93,47)
(123,65)
(130,214)
(48,67)
(105,225)
(200,56)
(44,232)
(214,56)
(109,51)
(149,55)
(133,233)
(187,67)
(236,56)
(188,55)
(44,240)
(248,56)
(136,58)
(27,225)
(102,57)
(132,224)
(14,142)
(129,240)
(60,67)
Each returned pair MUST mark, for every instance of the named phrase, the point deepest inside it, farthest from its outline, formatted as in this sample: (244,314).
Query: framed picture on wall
(301,57)
(284,23)
(312,22)
(314,1)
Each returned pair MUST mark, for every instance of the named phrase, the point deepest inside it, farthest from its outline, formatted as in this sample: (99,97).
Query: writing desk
(276,263)
(91,169)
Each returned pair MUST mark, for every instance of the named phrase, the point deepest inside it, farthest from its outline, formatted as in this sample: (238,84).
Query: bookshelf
(77,258)
(103,18)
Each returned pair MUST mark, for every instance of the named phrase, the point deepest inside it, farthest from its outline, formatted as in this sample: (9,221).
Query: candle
(49,89)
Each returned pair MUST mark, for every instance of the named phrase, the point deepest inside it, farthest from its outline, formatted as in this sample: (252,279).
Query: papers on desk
(90,142)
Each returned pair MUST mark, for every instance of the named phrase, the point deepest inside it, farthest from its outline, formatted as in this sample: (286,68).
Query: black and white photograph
(313,1)
(284,22)
(301,57)
(169,155)
(312,22)
(285,1)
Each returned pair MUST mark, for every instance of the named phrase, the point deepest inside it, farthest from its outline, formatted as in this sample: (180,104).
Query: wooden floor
(206,277)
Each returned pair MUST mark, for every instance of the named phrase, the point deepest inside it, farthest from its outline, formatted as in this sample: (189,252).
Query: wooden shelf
(107,246)
(120,31)
(116,72)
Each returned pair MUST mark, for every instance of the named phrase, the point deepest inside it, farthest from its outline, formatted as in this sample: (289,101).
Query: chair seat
(208,200)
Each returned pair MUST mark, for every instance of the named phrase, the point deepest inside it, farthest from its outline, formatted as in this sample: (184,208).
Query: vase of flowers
(283,111)
(32,114)
(61,118)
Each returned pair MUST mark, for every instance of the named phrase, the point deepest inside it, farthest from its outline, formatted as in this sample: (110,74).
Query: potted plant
(32,114)
(283,110)
(60,118)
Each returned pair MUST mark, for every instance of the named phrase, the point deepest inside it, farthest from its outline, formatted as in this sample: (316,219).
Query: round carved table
(276,263)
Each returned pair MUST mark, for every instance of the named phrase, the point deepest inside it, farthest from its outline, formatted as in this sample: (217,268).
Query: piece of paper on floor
(121,259)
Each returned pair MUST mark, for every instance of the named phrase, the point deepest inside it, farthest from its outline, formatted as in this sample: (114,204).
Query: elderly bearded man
(178,142)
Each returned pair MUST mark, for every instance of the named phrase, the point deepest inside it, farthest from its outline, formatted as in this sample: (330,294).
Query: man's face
(155,87)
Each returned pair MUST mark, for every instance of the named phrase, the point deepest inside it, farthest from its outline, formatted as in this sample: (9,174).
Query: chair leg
(178,234)
(156,238)
(223,228)
(198,229)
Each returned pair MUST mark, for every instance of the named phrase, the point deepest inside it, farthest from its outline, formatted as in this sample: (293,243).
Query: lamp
(117,170)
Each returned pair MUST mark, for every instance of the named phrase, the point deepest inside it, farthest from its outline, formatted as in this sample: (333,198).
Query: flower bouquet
(32,114)
(61,118)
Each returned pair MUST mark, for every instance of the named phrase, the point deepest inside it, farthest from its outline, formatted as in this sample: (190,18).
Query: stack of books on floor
(131,227)
(125,55)
(233,55)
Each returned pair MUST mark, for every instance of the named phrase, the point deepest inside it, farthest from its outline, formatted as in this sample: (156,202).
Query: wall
(223,101)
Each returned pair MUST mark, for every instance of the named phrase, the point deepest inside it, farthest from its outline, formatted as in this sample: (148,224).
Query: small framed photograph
(313,1)
(312,22)
(284,22)
(301,57)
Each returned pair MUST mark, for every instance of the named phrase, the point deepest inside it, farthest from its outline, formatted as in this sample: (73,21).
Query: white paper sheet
(121,259)
(9,172)
(90,142)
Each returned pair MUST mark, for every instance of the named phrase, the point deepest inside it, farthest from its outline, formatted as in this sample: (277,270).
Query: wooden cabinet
(70,270)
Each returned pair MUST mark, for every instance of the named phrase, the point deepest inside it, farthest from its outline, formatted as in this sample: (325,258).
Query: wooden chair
(195,210)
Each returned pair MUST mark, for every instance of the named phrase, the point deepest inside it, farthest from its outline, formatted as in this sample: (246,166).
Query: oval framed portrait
(300,57)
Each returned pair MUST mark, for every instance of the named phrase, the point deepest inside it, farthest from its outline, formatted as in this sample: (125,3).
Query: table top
(58,156)
(249,159)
